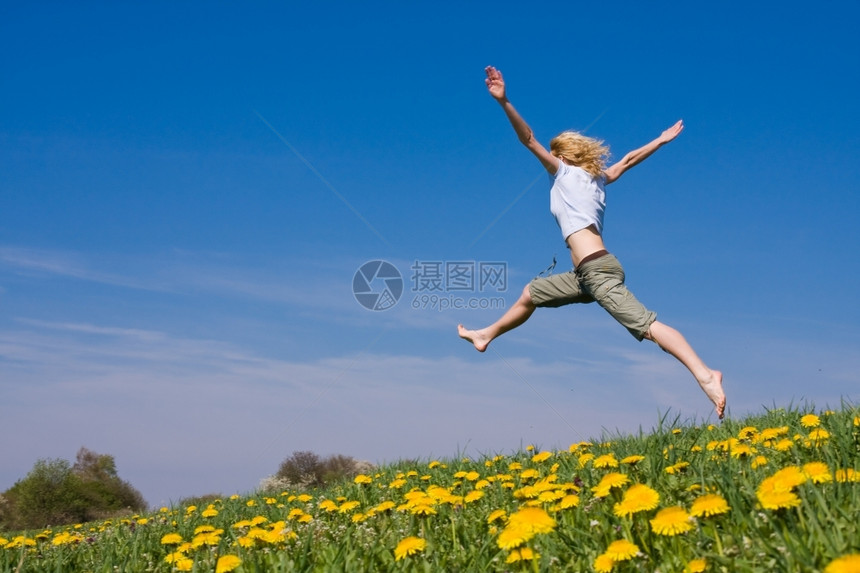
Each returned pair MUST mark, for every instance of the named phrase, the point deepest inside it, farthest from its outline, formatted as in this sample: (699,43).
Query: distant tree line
(56,492)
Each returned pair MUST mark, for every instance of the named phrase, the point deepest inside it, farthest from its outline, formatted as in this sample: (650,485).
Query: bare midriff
(583,243)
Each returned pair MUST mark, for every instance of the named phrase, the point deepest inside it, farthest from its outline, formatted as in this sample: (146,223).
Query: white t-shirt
(576,199)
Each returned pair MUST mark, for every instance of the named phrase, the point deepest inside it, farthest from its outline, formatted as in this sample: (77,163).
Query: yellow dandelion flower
(569,501)
(631,460)
(549,496)
(251,503)
(523,554)
(677,468)
(740,450)
(533,519)
(810,421)
(783,445)
(227,563)
(64,538)
(21,541)
(604,564)
(512,536)
(708,505)
(621,550)
(789,477)
(844,564)
(605,461)
(514,466)
(171,539)
(774,499)
(541,457)
(758,461)
(422,509)
(638,497)
(847,475)
(819,434)
(817,472)
(174,557)
(204,529)
(747,433)
(473,496)
(434,464)
(304,498)
(497,515)
(584,459)
(409,546)
(328,505)
(671,521)
(530,473)
(362,479)
(397,483)
(769,434)
(695,566)
(527,554)
(209,512)
(347,506)
(208,539)
(609,481)
(384,506)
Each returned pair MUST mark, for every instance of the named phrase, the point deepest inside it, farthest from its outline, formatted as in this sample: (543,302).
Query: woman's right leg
(515,316)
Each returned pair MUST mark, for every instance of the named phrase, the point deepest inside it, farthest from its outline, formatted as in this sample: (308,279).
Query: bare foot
(476,337)
(714,389)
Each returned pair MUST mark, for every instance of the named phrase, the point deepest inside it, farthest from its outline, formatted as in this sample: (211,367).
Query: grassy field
(775,492)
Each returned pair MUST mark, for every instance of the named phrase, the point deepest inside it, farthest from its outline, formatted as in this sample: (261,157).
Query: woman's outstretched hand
(495,82)
(672,132)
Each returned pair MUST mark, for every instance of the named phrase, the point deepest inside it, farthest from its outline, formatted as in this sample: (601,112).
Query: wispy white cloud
(66,264)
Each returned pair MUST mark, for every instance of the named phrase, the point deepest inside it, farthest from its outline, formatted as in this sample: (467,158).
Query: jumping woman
(577,165)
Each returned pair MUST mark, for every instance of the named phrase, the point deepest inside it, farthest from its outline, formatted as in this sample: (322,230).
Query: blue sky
(187,191)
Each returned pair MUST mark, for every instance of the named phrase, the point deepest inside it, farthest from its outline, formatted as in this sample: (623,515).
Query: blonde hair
(586,153)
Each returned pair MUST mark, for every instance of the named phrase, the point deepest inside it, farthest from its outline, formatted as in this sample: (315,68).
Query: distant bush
(56,493)
(307,470)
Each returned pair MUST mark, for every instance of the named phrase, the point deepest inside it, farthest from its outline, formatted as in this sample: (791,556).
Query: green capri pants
(599,279)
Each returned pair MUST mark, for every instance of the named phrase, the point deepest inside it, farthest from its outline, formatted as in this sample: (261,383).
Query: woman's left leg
(604,279)
(674,343)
